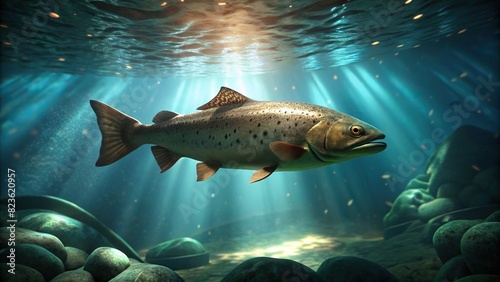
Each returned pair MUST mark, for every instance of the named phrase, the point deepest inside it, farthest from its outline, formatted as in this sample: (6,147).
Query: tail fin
(115,127)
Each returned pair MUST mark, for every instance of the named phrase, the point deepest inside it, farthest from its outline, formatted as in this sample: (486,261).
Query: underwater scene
(213,140)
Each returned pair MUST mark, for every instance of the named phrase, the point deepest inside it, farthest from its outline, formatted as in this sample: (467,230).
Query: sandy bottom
(404,256)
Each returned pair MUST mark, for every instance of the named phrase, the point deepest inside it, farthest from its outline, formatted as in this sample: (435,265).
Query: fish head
(342,138)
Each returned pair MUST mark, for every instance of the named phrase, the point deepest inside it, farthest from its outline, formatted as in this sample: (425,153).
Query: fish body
(233,131)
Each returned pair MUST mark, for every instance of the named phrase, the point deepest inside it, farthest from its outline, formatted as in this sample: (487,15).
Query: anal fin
(164,157)
(286,151)
(205,170)
(262,173)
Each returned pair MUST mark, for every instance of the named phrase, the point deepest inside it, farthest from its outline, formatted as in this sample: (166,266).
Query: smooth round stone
(449,190)
(264,269)
(175,248)
(147,272)
(347,268)
(452,270)
(22,272)
(480,247)
(480,278)
(79,275)
(26,236)
(494,217)
(485,178)
(76,258)
(467,193)
(71,232)
(481,199)
(437,207)
(105,263)
(447,238)
(37,258)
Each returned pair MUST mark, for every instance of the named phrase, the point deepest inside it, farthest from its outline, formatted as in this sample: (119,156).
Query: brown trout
(233,131)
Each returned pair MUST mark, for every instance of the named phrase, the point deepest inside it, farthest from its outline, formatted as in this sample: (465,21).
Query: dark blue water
(141,61)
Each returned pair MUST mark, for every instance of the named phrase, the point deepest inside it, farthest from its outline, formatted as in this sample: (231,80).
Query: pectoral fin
(164,157)
(286,151)
(206,170)
(262,173)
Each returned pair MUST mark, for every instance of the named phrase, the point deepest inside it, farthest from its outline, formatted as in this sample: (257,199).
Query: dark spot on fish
(250,132)
(197,132)
(265,133)
(234,131)
(219,143)
(238,141)
(279,121)
(314,121)
(255,136)
(261,141)
(258,125)
(225,137)
(251,119)
(296,124)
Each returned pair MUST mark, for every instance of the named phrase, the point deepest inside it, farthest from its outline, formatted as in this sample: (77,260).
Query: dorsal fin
(226,96)
(164,116)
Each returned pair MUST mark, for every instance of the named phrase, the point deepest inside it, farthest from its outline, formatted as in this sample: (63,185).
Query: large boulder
(71,232)
(264,269)
(76,258)
(467,150)
(79,275)
(405,207)
(105,263)
(437,207)
(447,238)
(347,268)
(147,272)
(37,258)
(181,253)
(26,236)
(480,247)
(22,273)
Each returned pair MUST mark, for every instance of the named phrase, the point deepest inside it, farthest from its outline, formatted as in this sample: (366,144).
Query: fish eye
(356,130)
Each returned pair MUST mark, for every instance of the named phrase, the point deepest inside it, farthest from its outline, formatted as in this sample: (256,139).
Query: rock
(452,270)
(456,160)
(480,278)
(79,275)
(37,258)
(76,258)
(481,199)
(104,263)
(347,268)
(71,232)
(468,213)
(447,238)
(179,253)
(405,207)
(437,207)
(480,247)
(495,190)
(23,273)
(467,193)
(26,236)
(147,272)
(417,183)
(494,217)
(486,177)
(264,269)
(449,190)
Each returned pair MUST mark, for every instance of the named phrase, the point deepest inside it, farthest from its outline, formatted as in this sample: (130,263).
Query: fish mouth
(370,147)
